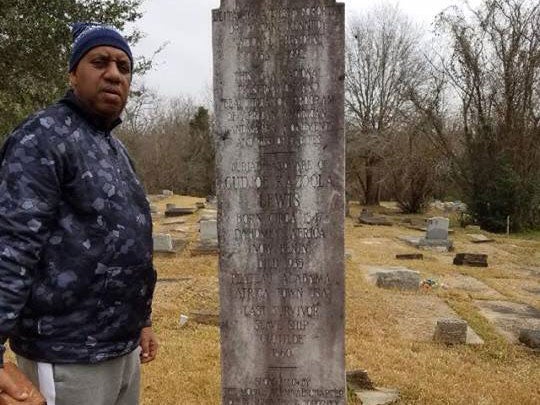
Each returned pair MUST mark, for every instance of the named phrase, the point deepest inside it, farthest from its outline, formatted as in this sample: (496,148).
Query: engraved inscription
(279,100)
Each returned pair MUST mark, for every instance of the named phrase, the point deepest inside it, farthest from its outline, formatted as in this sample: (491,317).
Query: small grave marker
(471,259)
(451,331)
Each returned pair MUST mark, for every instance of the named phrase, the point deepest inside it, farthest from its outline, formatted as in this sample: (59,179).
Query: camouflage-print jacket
(76,274)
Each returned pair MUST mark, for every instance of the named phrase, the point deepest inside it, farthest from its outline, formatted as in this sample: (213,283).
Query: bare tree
(171,145)
(494,72)
(383,62)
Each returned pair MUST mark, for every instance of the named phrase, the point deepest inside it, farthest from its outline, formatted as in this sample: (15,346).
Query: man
(76,274)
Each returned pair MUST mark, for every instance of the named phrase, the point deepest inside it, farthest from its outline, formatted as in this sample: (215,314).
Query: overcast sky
(184,68)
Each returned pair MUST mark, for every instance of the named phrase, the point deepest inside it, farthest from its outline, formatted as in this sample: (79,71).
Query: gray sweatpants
(112,382)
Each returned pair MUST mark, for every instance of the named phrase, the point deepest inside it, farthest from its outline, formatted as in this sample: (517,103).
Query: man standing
(76,274)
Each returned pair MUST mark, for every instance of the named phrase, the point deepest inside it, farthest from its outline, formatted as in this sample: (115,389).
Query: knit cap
(89,35)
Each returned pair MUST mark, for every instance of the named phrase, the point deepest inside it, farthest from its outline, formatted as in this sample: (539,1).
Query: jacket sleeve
(29,195)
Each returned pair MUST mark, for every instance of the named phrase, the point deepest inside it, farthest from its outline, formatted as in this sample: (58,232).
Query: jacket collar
(96,121)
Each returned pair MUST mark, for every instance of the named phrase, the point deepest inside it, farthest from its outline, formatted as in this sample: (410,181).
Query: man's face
(102,79)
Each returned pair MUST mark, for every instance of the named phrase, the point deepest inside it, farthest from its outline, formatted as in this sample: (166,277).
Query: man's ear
(72,79)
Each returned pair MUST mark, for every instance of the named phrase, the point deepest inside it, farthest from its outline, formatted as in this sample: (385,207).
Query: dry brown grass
(188,368)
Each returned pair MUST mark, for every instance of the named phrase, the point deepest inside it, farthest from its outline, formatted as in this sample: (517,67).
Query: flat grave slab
(375,220)
(180,211)
(527,290)
(509,318)
(479,238)
(397,277)
(417,317)
(471,259)
(422,243)
(472,285)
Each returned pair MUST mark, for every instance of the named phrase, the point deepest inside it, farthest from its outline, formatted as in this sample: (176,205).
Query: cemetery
(470,336)
(308,255)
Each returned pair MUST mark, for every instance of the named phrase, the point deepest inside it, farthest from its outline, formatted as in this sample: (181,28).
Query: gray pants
(112,382)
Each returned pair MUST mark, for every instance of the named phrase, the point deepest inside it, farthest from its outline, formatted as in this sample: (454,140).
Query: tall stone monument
(278,91)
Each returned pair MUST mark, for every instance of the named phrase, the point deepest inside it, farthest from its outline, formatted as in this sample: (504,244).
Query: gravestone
(208,229)
(451,331)
(278,94)
(437,228)
(163,243)
(436,235)
(471,259)
(397,277)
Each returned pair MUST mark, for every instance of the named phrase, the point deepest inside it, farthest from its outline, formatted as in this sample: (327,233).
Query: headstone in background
(437,228)
(167,193)
(451,331)
(208,230)
(400,278)
(163,242)
(279,104)
(471,259)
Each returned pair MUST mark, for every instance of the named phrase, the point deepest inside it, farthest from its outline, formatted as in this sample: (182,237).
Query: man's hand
(8,386)
(149,345)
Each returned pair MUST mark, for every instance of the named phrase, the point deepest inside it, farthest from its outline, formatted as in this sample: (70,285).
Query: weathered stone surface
(479,238)
(471,259)
(510,318)
(473,286)
(530,337)
(278,85)
(427,244)
(437,228)
(167,193)
(400,278)
(379,396)
(410,256)
(451,331)
(417,316)
(208,230)
(180,211)
(163,242)
(366,217)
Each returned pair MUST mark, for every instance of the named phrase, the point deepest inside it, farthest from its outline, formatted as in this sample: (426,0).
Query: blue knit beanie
(89,35)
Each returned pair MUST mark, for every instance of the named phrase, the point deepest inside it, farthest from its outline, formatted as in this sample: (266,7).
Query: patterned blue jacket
(76,274)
